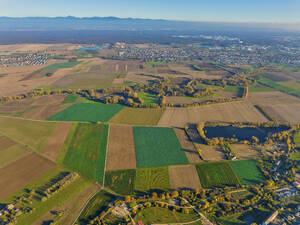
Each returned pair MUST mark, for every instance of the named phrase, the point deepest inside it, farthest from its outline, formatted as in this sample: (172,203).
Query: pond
(97,47)
(242,133)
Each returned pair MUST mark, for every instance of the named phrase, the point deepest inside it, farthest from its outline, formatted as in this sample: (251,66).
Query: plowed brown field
(57,140)
(121,151)
(19,173)
(184,177)
(227,112)
(282,107)
(44,112)
(187,146)
(5,143)
(244,151)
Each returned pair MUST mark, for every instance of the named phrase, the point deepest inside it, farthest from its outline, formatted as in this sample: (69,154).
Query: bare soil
(282,107)
(44,112)
(227,112)
(187,146)
(121,151)
(6,143)
(211,153)
(243,151)
(19,173)
(57,140)
(184,177)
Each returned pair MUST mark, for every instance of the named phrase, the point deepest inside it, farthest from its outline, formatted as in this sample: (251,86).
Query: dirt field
(16,175)
(14,83)
(49,100)
(57,140)
(184,177)
(244,151)
(211,153)
(193,73)
(184,100)
(187,146)
(6,143)
(118,81)
(36,47)
(44,112)
(282,107)
(285,112)
(121,151)
(228,112)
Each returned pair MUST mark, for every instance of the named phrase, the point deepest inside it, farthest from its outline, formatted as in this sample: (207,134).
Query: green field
(164,216)
(260,88)
(297,139)
(70,99)
(216,175)
(295,156)
(141,117)
(156,63)
(34,134)
(120,181)
(279,87)
(156,146)
(12,154)
(295,85)
(61,65)
(87,112)
(148,99)
(55,200)
(247,172)
(2,75)
(237,90)
(97,204)
(152,179)
(86,150)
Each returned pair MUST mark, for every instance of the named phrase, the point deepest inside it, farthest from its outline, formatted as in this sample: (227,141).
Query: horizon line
(141,18)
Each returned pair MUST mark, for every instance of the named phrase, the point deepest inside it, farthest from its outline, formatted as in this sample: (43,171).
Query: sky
(270,11)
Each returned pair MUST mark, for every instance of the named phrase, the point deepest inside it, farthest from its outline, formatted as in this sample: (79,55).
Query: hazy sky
(194,10)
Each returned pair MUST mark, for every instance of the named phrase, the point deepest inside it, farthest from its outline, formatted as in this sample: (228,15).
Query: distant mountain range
(113,23)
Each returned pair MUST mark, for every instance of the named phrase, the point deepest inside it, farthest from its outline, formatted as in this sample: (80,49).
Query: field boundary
(86,203)
(103,182)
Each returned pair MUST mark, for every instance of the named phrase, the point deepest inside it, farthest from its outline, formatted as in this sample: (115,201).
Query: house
(297,184)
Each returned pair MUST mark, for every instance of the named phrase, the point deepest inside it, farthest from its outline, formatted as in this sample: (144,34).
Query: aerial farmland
(85,136)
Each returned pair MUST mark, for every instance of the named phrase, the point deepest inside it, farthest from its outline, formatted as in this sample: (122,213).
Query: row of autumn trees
(215,202)
(128,95)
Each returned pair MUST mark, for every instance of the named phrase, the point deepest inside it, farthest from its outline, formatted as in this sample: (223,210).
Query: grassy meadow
(152,179)
(61,65)
(34,134)
(121,181)
(86,150)
(247,172)
(139,117)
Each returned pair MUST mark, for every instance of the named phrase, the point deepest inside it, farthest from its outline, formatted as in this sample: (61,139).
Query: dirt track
(184,177)
(228,112)
(19,173)
(121,151)
(57,140)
